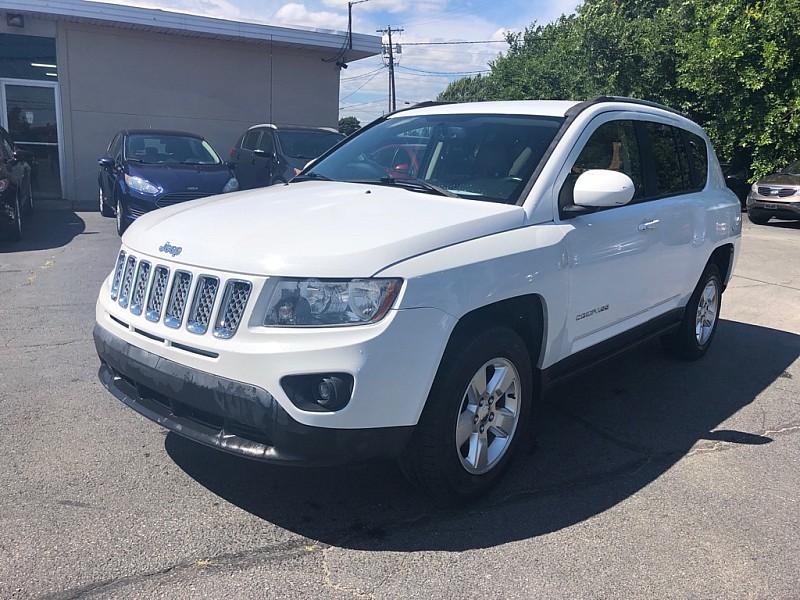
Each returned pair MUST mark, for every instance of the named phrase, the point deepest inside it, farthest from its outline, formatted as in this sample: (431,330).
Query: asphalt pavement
(652,477)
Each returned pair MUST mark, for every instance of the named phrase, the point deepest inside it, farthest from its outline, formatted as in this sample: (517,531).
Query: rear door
(245,163)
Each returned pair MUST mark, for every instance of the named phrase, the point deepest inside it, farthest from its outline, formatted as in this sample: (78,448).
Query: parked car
(146,169)
(737,181)
(269,154)
(16,188)
(355,314)
(776,195)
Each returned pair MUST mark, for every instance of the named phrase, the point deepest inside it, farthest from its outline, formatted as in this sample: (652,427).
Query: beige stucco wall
(115,78)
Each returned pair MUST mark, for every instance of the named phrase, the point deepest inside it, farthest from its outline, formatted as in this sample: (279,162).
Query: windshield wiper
(413,184)
(311,176)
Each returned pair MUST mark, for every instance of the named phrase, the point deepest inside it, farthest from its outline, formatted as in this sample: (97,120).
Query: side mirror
(599,188)
(230,164)
(106,162)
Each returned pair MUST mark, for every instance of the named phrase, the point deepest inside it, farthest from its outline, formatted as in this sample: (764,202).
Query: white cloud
(297,14)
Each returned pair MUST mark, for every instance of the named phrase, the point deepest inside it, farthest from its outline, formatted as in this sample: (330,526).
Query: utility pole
(392,88)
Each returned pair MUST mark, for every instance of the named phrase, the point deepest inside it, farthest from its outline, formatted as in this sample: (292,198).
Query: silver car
(776,195)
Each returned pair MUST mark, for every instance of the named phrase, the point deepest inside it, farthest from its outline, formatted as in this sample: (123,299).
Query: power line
(454,43)
(381,68)
(358,89)
(423,71)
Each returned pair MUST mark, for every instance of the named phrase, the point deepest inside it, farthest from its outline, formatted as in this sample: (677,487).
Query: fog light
(325,392)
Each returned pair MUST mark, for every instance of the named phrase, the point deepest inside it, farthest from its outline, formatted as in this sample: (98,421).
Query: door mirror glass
(601,188)
(105,162)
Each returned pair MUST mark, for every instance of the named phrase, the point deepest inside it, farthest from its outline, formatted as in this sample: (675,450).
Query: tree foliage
(348,125)
(732,65)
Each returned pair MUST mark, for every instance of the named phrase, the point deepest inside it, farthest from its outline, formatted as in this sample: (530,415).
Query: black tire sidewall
(120,217)
(439,468)
(758,217)
(688,346)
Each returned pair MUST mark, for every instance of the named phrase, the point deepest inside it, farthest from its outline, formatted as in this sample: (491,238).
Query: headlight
(754,188)
(141,185)
(323,303)
(231,186)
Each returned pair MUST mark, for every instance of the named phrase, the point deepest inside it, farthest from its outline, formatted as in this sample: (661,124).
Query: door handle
(648,225)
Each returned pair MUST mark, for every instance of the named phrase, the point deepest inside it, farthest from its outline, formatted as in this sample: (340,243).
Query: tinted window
(614,147)
(267,144)
(250,141)
(169,149)
(472,156)
(670,161)
(698,158)
(307,144)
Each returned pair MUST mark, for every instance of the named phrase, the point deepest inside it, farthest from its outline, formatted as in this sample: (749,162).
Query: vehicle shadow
(45,229)
(605,435)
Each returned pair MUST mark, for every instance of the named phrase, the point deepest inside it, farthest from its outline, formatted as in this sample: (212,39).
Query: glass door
(30,113)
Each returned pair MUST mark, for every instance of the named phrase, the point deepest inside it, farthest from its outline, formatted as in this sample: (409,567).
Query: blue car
(147,169)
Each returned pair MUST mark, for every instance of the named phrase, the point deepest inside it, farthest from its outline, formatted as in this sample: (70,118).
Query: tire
(105,209)
(690,341)
(757,217)
(29,198)
(120,214)
(433,461)
(17,227)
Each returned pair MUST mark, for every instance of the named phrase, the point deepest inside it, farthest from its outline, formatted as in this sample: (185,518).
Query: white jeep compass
(413,291)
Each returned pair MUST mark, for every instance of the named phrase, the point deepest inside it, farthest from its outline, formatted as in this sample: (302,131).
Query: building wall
(113,79)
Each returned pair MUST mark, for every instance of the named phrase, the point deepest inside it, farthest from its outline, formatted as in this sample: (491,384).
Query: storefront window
(28,57)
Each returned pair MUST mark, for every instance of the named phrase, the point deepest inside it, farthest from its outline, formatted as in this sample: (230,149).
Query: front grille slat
(774,191)
(140,287)
(178,197)
(127,281)
(118,269)
(203,304)
(178,298)
(231,310)
(158,290)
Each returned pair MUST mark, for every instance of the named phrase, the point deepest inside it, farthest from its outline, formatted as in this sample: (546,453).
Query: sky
(423,71)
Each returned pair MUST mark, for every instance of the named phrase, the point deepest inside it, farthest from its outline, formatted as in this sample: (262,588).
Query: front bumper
(780,208)
(236,417)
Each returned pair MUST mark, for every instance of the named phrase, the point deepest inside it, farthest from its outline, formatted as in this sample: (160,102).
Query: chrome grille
(127,281)
(781,192)
(203,304)
(178,297)
(158,290)
(140,287)
(117,274)
(231,311)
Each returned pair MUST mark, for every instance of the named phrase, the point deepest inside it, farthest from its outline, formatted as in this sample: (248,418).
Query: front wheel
(693,337)
(757,217)
(17,225)
(105,209)
(122,225)
(476,418)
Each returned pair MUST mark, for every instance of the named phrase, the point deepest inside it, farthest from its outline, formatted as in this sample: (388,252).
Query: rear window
(698,159)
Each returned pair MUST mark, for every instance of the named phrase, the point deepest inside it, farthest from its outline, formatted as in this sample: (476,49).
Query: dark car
(776,195)
(16,191)
(736,180)
(269,154)
(147,169)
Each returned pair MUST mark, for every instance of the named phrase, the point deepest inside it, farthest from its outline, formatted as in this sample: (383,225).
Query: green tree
(732,65)
(348,125)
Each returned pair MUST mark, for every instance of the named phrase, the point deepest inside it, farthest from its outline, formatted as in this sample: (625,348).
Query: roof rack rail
(424,104)
(578,108)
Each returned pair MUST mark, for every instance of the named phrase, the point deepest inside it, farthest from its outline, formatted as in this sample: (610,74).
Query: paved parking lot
(651,477)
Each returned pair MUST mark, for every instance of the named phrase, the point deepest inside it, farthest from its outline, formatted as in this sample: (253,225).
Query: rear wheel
(29,197)
(475,420)
(757,217)
(105,209)
(696,332)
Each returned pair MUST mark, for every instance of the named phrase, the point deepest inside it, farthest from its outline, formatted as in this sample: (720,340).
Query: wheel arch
(723,258)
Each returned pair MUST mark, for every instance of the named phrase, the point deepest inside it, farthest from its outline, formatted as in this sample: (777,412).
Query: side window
(116,147)
(267,144)
(250,141)
(112,145)
(670,160)
(613,146)
(698,159)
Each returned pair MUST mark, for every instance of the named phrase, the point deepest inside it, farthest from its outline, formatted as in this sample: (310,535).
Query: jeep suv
(417,313)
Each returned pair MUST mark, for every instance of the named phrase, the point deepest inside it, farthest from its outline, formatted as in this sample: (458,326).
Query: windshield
(307,144)
(792,168)
(479,157)
(157,149)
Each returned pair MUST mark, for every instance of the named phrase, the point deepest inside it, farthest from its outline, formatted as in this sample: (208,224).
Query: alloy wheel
(488,416)
(707,309)
(119,216)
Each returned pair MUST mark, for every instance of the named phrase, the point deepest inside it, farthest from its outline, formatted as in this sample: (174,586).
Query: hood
(179,178)
(780,179)
(316,229)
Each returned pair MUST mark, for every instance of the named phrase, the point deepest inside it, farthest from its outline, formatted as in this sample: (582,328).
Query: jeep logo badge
(170,249)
